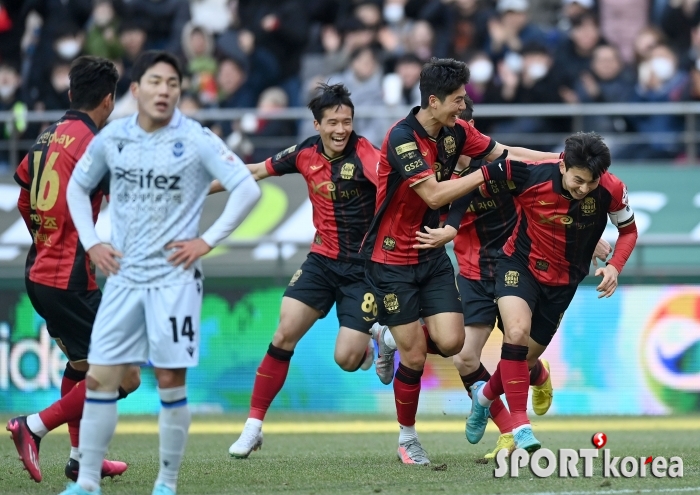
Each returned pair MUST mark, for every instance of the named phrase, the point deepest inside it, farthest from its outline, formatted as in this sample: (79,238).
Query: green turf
(354,464)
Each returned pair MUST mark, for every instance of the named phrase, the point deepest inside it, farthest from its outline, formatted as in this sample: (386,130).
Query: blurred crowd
(270,54)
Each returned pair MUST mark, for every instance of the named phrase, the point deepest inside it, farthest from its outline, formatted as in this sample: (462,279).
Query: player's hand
(503,169)
(609,284)
(434,238)
(602,251)
(187,252)
(105,258)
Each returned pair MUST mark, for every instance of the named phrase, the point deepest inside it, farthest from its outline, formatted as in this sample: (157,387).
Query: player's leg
(356,308)
(353,349)
(540,381)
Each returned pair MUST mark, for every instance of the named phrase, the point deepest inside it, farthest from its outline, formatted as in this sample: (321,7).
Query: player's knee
(518,334)
(347,361)
(413,360)
(132,379)
(168,378)
(466,361)
(287,335)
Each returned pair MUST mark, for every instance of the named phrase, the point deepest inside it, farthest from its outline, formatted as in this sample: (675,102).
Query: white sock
(96,431)
(389,339)
(75,454)
(407,433)
(37,426)
(482,398)
(254,423)
(174,423)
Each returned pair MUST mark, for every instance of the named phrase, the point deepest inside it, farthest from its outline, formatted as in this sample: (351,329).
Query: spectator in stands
(408,69)
(233,91)
(646,40)
(189,104)
(9,101)
(573,56)
(102,36)
(469,31)
(12,22)
(677,20)
(481,86)
(69,43)
(55,95)
(198,50)
(511,29)
(216,15)
(163,20)
(421,40)
(132,37)
(620,21)
(271,100)
(572,9)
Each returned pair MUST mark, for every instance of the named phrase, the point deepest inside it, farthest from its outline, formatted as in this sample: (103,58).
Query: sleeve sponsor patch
(405,148)
(284,153)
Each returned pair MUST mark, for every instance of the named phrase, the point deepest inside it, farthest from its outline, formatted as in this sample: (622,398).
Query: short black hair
(468,113)
(91,79)
(441,77)
(150,58)
(588,151)
(330,96)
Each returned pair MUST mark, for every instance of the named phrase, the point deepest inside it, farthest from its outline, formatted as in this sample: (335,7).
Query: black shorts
(69,315)
(547,302)
(478,301)
(406,293)
(322,282)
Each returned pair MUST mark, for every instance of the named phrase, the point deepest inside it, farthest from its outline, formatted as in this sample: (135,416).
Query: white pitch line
(622,491)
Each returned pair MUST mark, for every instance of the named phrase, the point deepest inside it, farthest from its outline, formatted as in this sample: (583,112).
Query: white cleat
(369,357)
(384,365)
(251,439)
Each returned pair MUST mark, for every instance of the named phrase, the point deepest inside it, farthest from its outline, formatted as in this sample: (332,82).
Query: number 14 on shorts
(186,330)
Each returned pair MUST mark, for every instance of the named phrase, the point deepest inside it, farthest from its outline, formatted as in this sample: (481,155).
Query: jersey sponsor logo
(588,206)
(325,189)
(317,239)
(347,171)
(315,167)
(147,179)
(413,165)
(295,277)
(411,155)
(625,197)
(512,278)
(389,244)
(400,150)
(450,145)
(541,265)
(545,203)
(556,220)
(284,153)
(178,149)
(50,137)
(391,303)
(424,153)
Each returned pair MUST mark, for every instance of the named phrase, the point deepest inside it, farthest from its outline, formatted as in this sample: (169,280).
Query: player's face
(335,129)
(578,181)
(157,92)
(447,112)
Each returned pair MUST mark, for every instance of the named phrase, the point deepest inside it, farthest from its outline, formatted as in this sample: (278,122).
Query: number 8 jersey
(56,257)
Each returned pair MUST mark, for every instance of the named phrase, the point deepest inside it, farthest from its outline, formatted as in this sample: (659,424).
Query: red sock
(516,381)
(538,374)
(71,377)
(501,416)
(494,387)
(269,380)
(432,346)
(406,394)
(68,408)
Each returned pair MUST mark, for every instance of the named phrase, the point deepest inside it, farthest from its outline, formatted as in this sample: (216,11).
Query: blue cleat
(479,417)
(526,440)
(76,489)
(161,489)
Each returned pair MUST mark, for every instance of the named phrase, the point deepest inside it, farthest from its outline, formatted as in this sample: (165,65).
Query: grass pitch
(337,454)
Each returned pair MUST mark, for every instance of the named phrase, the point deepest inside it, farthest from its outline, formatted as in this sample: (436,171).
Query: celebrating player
(418,156)
(60,277)
(161,164)
(340,170)
(564,207)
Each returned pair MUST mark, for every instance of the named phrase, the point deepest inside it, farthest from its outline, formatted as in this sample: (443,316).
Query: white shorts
(160,325)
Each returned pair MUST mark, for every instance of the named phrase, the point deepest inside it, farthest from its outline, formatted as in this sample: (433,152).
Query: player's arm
(435,238)
(622,217)
(521,154)
(87,175)
(257,170)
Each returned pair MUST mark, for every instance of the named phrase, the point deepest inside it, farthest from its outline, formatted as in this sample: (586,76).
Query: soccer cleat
(479,417)
(109,469)
(369,357)
(542,394)
(251,439)
(412,452)
(505,441)
(525,439)
(161,489)
(76,489)
(384,365)
(27,445)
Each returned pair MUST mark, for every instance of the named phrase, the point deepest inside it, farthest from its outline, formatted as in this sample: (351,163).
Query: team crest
(295,277)
(391,303)
(347,171)
(318,240)
(389,244)
(588,206)
(178,149)
(450,146)
(512,278)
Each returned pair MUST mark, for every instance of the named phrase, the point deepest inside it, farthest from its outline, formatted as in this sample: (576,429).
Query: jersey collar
(174,123)
(558,184)
(418,127)
(83,117)
(352,144)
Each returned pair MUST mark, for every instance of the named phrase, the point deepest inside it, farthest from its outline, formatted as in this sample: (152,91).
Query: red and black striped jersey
(483,227)
(56,257)
(555,235)
(410,156)
(342,191)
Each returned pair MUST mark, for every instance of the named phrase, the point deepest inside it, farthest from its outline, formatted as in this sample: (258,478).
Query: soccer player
(564,208)
(60,276)
(340,171)
(418,156)
(161,165)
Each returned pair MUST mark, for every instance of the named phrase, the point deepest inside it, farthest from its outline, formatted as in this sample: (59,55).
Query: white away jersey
(158,185)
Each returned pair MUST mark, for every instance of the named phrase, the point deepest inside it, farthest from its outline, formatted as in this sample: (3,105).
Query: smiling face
(157,93)
(447,112)
(579,182)
(335,129)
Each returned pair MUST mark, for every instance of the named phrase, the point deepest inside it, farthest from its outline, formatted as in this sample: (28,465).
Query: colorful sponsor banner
(636,353)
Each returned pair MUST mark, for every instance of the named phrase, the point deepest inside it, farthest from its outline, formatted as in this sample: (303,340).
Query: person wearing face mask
(9,101)
(69,43)
(103,35)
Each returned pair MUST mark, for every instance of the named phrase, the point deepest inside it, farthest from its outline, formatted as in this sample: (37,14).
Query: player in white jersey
(161,165)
